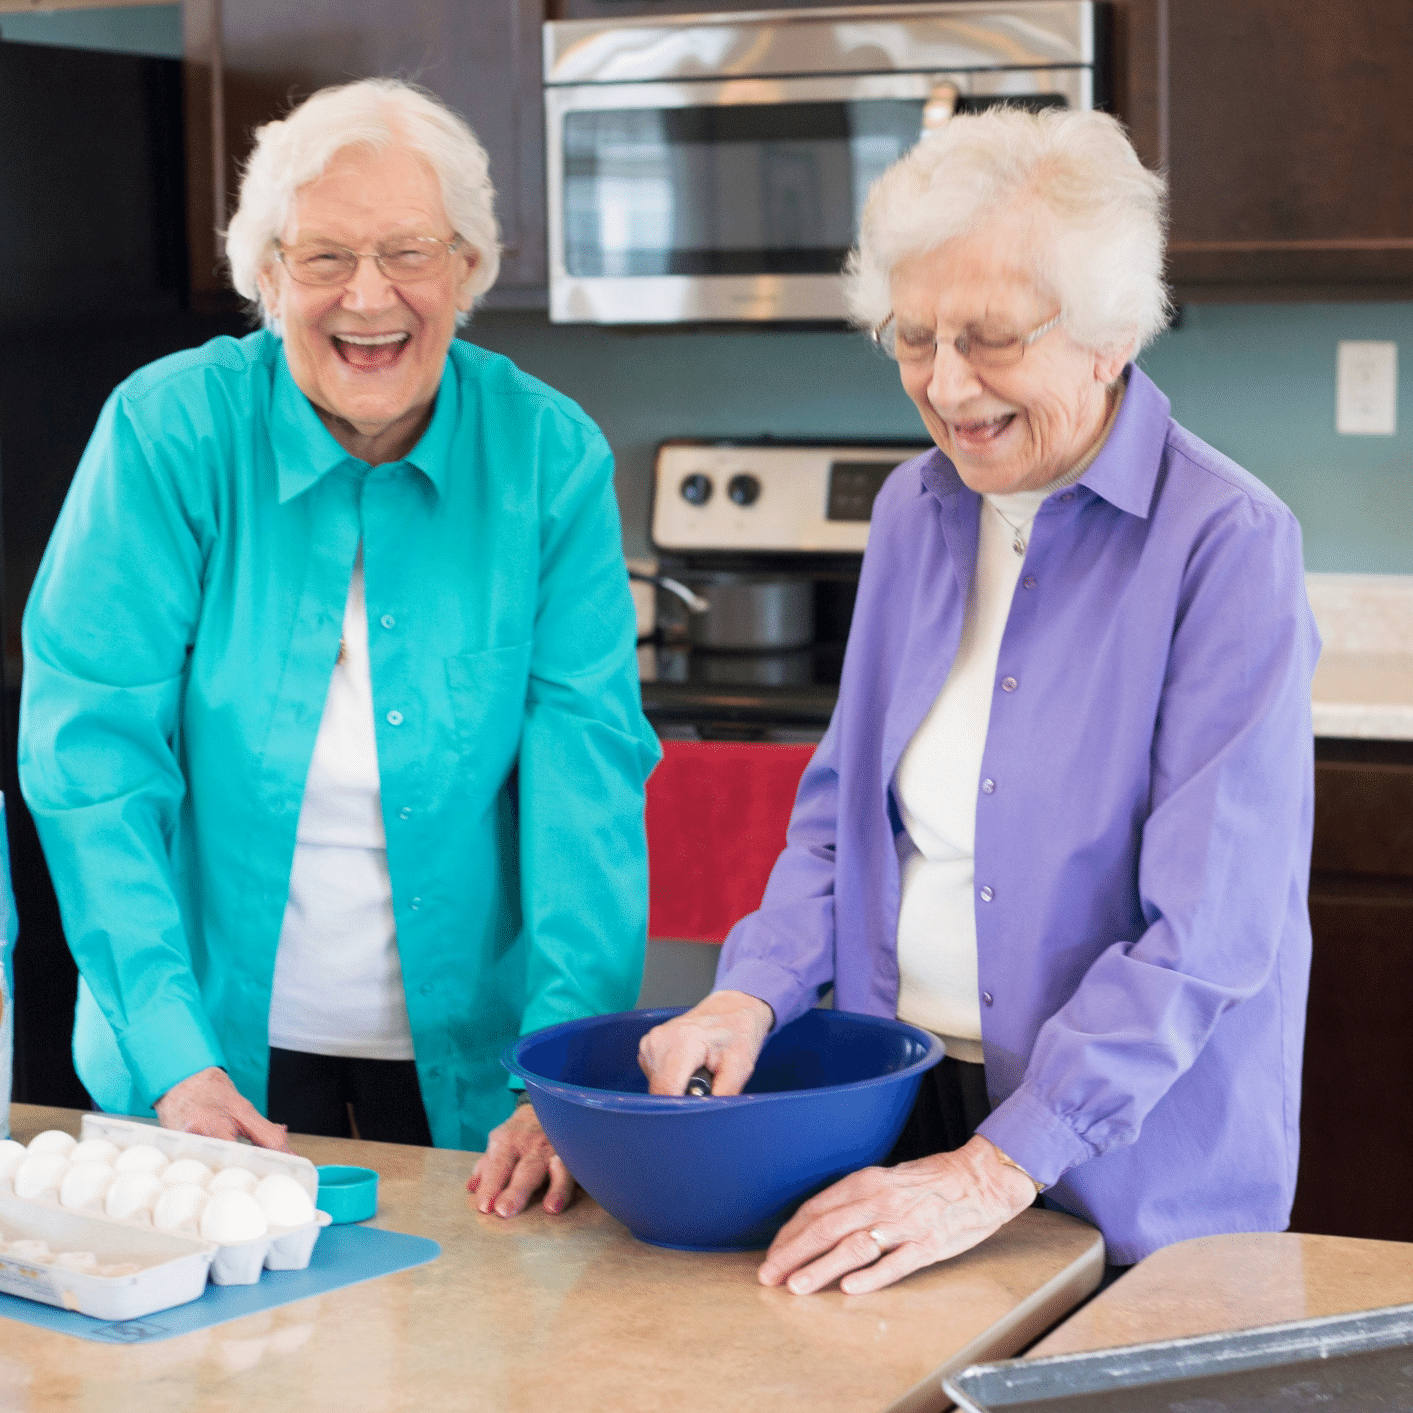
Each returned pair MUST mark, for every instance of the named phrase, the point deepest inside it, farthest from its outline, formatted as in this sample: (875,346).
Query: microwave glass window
(769,189)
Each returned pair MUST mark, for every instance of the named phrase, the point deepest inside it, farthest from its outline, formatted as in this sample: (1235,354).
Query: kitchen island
(569,1313)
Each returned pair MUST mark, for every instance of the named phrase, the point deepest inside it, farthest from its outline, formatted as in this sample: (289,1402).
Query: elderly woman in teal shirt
(330,724)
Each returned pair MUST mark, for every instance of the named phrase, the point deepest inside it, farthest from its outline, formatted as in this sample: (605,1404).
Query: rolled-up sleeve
(106,638)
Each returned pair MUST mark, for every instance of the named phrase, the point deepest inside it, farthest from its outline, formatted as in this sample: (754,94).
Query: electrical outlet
(1366,388)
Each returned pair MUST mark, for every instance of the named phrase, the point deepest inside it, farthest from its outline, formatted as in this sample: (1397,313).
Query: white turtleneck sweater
(938,780)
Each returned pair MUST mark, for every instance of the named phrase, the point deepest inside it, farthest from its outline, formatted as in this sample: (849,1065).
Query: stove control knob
(696,489)
(744,489)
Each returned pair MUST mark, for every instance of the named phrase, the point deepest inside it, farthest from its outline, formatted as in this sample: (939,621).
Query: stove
(758,548)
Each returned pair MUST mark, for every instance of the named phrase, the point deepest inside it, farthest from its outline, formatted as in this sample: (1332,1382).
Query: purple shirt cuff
(1029,1134)
(776,986)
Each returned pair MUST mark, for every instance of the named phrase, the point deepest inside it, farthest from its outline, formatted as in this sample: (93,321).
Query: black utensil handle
(699,1086)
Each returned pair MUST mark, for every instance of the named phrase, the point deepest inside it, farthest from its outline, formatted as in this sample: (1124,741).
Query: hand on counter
(724,1033)
(921,1212)
(518,1158)
(208,1103)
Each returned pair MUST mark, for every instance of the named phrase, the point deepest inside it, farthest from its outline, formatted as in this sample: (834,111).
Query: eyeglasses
(403,261)
(915,347)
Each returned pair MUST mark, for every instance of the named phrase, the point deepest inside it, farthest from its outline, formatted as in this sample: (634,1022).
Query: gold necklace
(1017,544)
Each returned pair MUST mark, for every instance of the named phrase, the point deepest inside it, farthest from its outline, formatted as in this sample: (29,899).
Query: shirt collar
(305,449)
(1125,471)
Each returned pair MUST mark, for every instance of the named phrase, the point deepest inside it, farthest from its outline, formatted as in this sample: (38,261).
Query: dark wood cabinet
(252,60)
(1290,137)
(1357,1106)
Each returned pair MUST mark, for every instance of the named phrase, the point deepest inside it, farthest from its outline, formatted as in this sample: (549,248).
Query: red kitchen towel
(717,813)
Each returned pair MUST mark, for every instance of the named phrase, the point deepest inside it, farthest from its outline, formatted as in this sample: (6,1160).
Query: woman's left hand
(518,1158)
(923,1211)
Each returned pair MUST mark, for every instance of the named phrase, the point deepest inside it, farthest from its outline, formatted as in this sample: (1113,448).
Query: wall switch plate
(1366,382)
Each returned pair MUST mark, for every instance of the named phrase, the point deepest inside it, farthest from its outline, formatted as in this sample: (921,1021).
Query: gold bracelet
(1011,1163)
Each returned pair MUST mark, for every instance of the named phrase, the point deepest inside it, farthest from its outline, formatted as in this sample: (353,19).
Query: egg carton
(171,1269)
(236,1263)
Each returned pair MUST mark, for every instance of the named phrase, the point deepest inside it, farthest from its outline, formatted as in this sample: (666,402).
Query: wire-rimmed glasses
(404,260)
(920,346)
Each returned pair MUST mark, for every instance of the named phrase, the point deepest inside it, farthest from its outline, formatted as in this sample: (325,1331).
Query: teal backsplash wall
(1256,381)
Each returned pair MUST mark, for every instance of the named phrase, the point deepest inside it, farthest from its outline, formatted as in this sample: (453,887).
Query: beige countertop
(568,1313)
(1364,684)
(1217,1283)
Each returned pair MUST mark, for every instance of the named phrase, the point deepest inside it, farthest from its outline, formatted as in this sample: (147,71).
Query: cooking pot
(752,612)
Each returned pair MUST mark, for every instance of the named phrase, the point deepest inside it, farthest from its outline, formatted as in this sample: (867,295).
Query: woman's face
(369,354)
(1005,429)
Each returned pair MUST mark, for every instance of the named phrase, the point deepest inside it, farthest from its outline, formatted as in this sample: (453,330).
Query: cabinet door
(1290,148)
(483,58)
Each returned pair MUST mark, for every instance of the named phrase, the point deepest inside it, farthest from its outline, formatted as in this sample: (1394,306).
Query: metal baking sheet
(1350,1362)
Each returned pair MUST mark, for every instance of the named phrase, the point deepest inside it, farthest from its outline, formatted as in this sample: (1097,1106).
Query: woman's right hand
(208,1102)
(723,1032)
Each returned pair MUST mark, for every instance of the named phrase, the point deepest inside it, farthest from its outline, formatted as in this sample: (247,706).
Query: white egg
(180,1206)
(140,1158)
(31,1249)
(85,1183)
(53,1140)
(94,1150)
(191,1170)
(234,1180)
(84,1261)
(12,1154)
(284,1202)
(40,1174)
(133,1195)
(233,1217)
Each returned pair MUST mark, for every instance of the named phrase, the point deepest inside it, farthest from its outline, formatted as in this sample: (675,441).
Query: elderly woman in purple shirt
(1062,814)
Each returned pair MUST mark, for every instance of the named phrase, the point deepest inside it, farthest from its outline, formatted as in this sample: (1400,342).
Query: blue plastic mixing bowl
(830,1094)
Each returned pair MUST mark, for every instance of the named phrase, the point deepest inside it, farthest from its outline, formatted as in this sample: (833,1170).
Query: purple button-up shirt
(1142,853)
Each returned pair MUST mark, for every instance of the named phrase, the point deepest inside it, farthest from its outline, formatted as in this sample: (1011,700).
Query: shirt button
(416,903)
(987,997)
(426,988)
(988,787)
(1008,684)
(388,621)
(395,717)
(404,813)
(1068,495)
(1030,581)
(986,895)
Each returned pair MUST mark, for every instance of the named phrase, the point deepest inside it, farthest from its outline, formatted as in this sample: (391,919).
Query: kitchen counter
(566,1313)
(1218,1283)
(1364,683)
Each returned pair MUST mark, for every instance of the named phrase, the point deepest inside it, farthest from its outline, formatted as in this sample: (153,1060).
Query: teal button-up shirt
(179,642)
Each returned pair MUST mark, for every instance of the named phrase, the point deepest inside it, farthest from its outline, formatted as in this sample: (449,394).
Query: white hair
(372,113)
(1098,217)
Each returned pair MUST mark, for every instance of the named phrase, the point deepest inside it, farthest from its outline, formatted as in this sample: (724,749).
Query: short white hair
(372,113)
(1098,217)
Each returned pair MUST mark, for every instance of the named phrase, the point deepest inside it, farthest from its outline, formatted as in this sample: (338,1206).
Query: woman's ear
(464,297)
(1110,362)
(269,291)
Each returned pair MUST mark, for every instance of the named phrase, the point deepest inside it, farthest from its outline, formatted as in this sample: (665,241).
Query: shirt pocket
(488,690)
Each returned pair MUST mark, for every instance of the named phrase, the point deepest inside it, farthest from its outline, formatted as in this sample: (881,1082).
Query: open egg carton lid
(135,1270)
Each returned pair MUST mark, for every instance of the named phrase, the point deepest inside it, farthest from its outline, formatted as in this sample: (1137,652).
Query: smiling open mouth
(979,433)
(370,353)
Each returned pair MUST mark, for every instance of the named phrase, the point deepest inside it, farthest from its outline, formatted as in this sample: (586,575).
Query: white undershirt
(338,977)
(938,781)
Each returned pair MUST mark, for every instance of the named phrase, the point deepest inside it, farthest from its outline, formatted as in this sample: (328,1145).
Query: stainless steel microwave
(713,167)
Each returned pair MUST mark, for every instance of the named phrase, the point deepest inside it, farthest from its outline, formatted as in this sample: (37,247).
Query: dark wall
(54,378)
